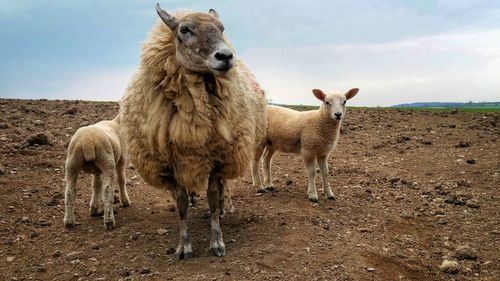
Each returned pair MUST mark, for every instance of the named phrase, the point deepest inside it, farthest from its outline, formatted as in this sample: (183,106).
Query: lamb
(99,150)
(192,115)
(314,134)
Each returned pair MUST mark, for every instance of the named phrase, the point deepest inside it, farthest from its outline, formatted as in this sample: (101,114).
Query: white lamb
(99,150)
(314,134)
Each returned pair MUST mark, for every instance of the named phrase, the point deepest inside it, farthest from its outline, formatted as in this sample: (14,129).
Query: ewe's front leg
(215,185)
(184,249)
(323,166)
(311,174)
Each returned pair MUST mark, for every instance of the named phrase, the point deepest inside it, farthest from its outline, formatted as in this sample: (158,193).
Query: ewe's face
(200,43)
(334,103)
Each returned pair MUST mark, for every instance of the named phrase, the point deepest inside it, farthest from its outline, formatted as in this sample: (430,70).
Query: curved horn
(169,20)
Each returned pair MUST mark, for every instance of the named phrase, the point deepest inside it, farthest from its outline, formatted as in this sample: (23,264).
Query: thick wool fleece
(176,125)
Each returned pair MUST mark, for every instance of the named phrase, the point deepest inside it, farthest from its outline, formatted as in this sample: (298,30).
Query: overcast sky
(395,51)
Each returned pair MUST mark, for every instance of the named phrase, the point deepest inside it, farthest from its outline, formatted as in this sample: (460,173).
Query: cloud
(461,65)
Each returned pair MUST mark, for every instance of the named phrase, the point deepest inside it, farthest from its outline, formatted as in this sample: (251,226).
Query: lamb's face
(200,43)
(334,103)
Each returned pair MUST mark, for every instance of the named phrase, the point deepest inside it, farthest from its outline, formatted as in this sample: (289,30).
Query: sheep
(314,134)
(99,150)
(192,115)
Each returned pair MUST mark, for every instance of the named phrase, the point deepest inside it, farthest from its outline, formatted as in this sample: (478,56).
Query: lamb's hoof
(270,188)
(218,248)
(182,253)
(313,198)
(95,212)
(126,203)
(331,197)
(262,190)
(69,223)
(109,225)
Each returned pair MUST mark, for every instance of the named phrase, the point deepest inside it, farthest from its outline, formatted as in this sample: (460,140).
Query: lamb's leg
(193,198)
(107,194)
(309,161)
(216,243)
(184,249)
(257,183)
(268,156)
(122,184)
(69,197)
(96,203)
(323,166)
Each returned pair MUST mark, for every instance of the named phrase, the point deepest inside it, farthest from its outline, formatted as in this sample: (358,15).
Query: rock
(39,139)
(455,201)
(370,269)
(135,236)
(71,111)
(161,231)
(145,270)
(55,199)
(95,246)
(462,144)
(39,123)
(3,126)
(449,266)
(471,161)
(465,252)
(454,111)
(125,273)
(289,182)
(56,254)
(25,219)
(76,255)
(472,203)
(2,169)
(10,259)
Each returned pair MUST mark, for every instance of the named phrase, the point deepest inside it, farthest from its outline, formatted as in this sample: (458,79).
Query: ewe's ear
(319,94)
(213,13)
(351,93)
(169,20)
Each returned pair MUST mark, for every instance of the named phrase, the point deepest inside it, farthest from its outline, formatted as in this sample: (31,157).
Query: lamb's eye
(185,30)
(328,103)
(344,102)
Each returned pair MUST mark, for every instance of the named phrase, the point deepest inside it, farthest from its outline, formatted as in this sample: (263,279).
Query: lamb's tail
(89,151)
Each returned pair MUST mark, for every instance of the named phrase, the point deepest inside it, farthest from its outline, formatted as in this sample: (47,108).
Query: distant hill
(451,104)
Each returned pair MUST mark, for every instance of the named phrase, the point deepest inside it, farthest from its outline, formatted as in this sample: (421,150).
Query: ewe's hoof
(109,225)
(126,204)
(183,254)
(332,197)
(270,188)
(218,248)
(222,213)
(313,198)
(262,190)
(95,212)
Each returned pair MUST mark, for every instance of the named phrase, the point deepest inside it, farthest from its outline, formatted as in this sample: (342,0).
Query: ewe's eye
(185,30)
(328,103)
(344,102)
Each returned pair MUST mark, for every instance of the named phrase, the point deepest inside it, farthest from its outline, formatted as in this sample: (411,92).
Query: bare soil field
(413,188)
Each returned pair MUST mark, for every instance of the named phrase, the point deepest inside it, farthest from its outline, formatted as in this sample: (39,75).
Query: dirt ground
(414,188)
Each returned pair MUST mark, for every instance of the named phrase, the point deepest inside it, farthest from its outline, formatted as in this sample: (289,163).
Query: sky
(395,51)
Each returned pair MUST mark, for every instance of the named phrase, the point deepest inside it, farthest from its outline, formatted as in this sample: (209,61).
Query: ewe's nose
(224,55)
(338,115)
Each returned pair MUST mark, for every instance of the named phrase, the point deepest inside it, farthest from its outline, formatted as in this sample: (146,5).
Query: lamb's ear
(169,20)
(351,93)
(319,94)
(213,13)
